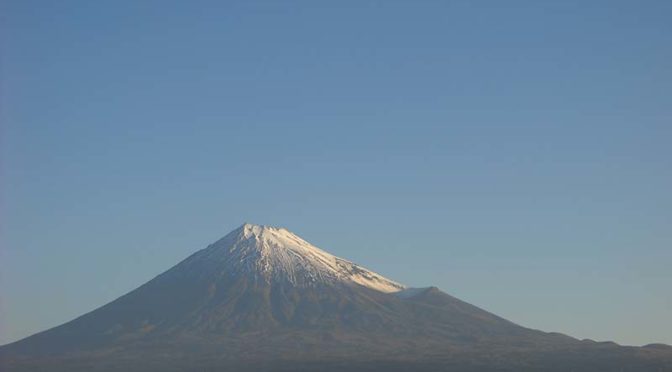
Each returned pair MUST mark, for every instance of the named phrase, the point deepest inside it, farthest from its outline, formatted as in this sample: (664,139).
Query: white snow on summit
(278,254)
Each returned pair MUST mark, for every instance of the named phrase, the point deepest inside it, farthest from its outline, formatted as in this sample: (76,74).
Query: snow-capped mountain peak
(275,253)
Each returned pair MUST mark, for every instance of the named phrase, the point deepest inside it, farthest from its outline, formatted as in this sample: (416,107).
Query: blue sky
(515,154)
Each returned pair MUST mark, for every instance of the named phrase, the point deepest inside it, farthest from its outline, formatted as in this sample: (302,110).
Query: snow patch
(277,254)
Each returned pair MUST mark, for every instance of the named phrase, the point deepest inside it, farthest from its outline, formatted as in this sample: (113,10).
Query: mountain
(263,299)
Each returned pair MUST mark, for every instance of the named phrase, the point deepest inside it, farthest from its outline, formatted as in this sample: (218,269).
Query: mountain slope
(262,297)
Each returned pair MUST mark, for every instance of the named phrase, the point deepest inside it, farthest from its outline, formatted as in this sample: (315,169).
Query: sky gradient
(515,154)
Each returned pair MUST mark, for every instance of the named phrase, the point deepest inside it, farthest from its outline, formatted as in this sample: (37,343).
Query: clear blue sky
(516,154)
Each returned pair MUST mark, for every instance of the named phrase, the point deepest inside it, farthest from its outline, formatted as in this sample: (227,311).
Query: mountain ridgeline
(263,299)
